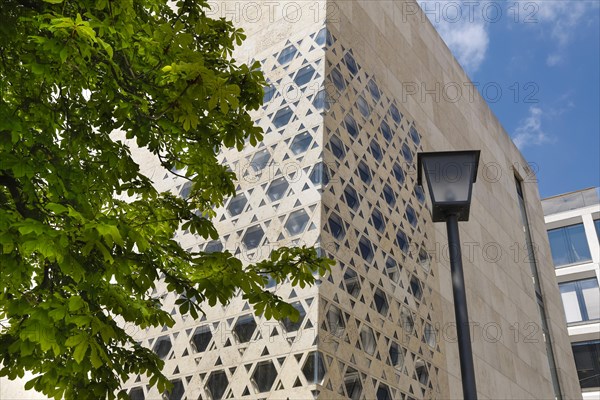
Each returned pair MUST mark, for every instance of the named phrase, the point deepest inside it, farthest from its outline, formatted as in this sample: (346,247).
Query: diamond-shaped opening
(162,346)
(386,131)
(378,220)
(176,392)
(407,153)
(420,194)
(264,375)
(424,260)
(336,226)
(383,392)
(399,174)
(337,147)
(407,321)
(396,355)
(137,393)
(422,373)
(338,79)
(304,75)
(366,249)
(214,246)
(351,282)
(402,241)
(260,160)
(430,335)
(300,143)
(217,384)
(286,55)
(244,328)
(201,338)
(389,195)
(351,125)
(411,215)
(237,204)
(277,189)
(363,106)
(253,236)
(391,268)
(364,172)
(292,326)
(351,63)
(353,384)
(351,197)
(282,117)
(396,116)
(415,288)
(414,135)
(320,174)
(314,367)
(297,222)
(376,150)
(269,93)
(381,303)
(374,90)
(335,321)
(185,190)
(367,338)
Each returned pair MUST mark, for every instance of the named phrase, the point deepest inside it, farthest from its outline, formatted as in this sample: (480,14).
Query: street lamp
(450,176)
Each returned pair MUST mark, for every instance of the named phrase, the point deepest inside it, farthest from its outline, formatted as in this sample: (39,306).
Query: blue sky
(544,57)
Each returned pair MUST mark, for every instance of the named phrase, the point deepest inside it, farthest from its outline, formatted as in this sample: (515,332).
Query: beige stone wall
(401,49)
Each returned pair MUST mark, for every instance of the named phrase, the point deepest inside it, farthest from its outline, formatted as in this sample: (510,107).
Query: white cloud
(462,27)
(530,132)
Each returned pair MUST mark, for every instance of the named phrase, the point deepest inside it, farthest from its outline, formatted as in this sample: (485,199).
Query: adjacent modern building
(357,89)
(573,223)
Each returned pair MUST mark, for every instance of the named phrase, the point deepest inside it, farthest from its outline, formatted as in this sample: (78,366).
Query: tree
(84,236)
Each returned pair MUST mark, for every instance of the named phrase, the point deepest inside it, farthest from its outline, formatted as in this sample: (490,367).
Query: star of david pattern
(334,171)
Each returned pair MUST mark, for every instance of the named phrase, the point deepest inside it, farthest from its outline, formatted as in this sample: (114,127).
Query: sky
(537,63)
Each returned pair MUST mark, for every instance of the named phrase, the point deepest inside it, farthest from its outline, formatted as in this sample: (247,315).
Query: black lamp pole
(450,176)
(463,331)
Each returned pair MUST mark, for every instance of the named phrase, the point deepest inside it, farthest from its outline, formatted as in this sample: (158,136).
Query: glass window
(363,106)
(587,361)
(300,143)
(338,79)
(569,245)
(374,90)
(286,55)
(396,355)
(383,392)
(162,347)
(216,384)
(253,237)
(277,189)
(260,160)
(244,328)
(402,241)
(386,131)
(321,37)
(337,147)
(381,303)
(415,135)
(351,64)
(304,75)
(176,392)
(407,153)
(351,197)
(389,195)
(396,116)
(353,384)
(368,340)
(297,222)
(366,249)
(378,220)
(411,215)
(282,117)
(415,288)
(351,125)
(269,93)
(581,300)
(321,100)
(201,338)
(319,175)
(237,204)
(137,393)
(335,321)
(376,150)
(398,174)
(293,326)
(364,172)
(336,226)
(264,375)
(314,367)
(597,224)
(214,246)
(352,283)
(391,268)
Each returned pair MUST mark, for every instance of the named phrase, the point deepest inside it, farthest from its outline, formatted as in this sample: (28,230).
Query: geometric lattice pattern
(333,171)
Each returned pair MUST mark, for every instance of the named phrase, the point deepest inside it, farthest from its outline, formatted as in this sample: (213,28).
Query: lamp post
(450,177)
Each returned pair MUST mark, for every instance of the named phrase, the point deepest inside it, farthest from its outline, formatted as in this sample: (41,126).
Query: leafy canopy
(75,257)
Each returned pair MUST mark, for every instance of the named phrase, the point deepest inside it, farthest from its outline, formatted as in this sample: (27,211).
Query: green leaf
(80,351)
